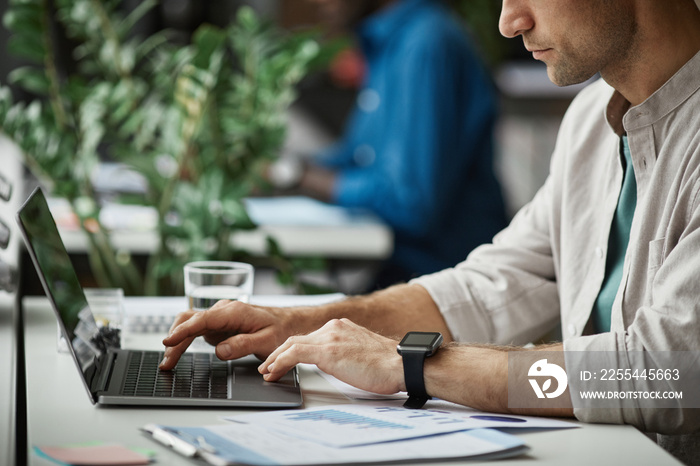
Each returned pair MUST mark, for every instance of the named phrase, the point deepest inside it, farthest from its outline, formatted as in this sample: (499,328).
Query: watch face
(421,341)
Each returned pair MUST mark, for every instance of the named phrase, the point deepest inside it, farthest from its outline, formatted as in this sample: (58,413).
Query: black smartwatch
(414,348)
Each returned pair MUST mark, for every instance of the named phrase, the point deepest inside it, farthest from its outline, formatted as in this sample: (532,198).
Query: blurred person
(418,148)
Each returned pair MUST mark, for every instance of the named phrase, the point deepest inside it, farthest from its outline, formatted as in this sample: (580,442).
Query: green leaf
(208,39)
(127,55)
(150,44)
(30,48)
(33,113)
(236,215)
(166,266)
(136,14)
(25,18)
(285,277)
(273,247)
(31,79)
(248,19)
(309,263)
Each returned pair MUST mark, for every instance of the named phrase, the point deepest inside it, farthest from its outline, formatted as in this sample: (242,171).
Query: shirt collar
(667,98)
(617,108)
(374,31)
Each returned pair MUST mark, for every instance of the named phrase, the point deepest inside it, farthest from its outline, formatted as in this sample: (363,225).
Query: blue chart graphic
(346,419)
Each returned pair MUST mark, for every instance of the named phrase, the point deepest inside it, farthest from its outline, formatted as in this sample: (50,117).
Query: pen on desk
(199,442)
(170,439)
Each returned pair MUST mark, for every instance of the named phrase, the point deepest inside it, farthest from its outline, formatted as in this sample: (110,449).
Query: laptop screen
(61,284)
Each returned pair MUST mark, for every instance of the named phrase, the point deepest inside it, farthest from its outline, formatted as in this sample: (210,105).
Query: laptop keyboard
(197,375)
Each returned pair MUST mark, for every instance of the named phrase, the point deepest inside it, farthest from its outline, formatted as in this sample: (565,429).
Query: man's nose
(515,18)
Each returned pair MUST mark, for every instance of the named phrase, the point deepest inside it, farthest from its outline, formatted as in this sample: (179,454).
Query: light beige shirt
(547,266)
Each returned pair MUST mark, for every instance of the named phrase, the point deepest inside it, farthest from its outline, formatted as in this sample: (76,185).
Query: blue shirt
(418,146)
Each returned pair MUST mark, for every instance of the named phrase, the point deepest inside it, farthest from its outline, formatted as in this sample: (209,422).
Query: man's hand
(235,328)
(345,350)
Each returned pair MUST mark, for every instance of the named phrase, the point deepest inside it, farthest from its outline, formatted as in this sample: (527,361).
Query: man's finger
(294,354)
(263,368)
(197,324)
(172,354)
(180,318)
(323,335)
(260,343)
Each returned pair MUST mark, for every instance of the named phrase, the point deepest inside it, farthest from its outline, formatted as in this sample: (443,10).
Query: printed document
(363,424)
(256,445)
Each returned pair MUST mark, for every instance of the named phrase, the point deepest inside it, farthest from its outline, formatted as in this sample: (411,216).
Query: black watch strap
(413,376)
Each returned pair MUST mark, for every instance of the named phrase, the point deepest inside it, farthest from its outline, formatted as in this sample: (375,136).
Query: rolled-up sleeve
(505,292)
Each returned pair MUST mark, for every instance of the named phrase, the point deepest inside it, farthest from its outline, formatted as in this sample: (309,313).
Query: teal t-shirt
(617,243)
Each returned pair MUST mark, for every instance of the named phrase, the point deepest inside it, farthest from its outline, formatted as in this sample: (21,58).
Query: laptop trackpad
(246,379)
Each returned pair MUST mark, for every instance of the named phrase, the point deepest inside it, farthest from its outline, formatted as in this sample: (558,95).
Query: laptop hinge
(105,372)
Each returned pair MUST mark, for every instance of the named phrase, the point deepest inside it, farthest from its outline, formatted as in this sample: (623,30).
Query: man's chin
(566,79)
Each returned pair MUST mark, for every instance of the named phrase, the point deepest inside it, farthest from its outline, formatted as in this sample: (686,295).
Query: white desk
(59,413)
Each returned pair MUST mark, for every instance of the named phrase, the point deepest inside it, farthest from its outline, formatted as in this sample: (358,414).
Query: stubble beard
(610,48)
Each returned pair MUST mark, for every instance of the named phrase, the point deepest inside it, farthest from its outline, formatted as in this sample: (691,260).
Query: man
(620,210)
(418,149)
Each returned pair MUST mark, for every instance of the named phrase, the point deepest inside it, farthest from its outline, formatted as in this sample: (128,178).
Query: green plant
(197,121)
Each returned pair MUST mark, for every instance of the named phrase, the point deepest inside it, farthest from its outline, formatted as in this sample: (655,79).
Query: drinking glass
(207,282)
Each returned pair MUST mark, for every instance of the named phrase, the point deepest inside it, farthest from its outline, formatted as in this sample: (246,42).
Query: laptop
(115,376)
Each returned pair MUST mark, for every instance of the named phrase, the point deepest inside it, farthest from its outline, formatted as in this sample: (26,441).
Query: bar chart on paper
(352,425)
(353,422)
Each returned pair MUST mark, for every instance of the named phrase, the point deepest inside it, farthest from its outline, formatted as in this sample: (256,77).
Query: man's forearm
(391,312)
(477,376)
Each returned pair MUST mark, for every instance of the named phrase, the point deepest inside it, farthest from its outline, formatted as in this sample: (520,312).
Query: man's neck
(668,37)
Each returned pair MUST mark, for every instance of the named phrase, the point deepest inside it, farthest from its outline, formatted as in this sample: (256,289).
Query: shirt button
(572,329)
(599,252)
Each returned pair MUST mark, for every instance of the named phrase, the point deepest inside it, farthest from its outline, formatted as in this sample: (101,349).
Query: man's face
(344,14)
(574,38)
